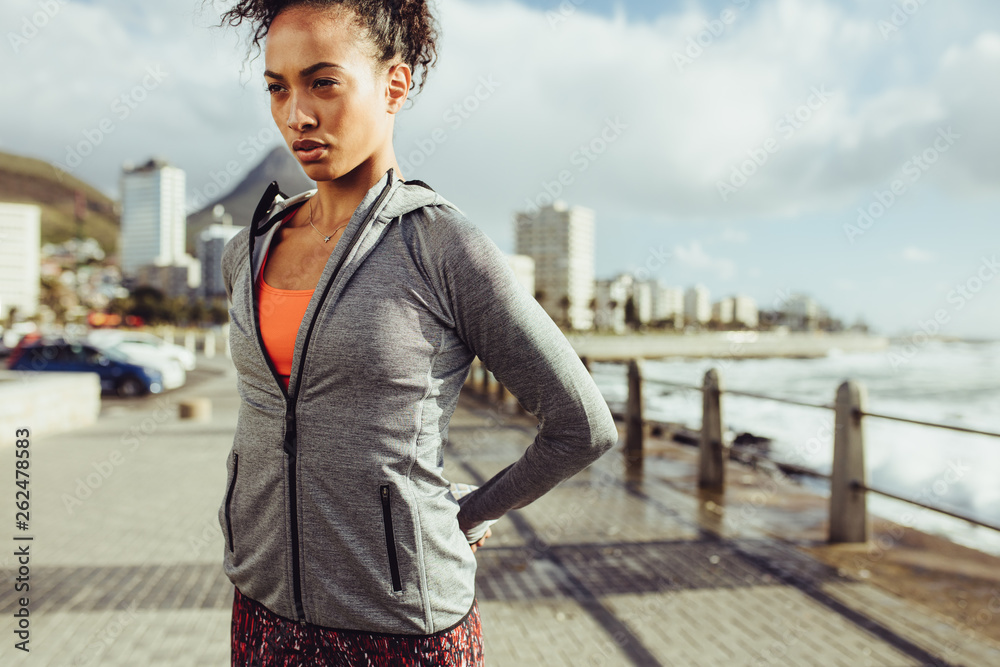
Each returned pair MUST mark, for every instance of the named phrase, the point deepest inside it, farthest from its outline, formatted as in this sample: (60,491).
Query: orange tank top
(281,313)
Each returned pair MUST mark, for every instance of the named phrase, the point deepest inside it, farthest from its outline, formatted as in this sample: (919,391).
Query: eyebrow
(309,71)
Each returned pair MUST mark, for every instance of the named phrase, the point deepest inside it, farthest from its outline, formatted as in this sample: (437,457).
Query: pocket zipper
(390,541)
(229,501)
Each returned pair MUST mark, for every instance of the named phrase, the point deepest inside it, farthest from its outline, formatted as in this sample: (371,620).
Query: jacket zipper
(390,539)
(290,444)
(229,501)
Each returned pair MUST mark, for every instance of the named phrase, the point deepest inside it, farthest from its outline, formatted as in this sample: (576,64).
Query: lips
(306,144)
(308,150)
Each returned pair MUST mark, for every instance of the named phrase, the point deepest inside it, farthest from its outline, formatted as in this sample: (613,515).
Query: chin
(320,171)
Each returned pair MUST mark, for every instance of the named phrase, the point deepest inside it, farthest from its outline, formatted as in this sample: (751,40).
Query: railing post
(209,344)
(189,341)
(848,509)
(633,416)
(487,382)
(714,452)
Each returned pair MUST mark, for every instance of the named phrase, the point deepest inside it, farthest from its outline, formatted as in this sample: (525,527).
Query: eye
(325,83)
(273,88)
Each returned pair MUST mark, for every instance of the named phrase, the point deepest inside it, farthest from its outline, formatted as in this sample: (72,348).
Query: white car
(173,372)
(141,343)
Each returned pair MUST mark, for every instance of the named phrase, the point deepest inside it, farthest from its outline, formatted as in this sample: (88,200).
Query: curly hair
(395,27)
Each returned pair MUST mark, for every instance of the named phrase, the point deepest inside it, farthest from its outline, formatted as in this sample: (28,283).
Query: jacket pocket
(390,539)
(229,500)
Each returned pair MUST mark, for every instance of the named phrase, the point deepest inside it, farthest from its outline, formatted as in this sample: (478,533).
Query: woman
(357,309)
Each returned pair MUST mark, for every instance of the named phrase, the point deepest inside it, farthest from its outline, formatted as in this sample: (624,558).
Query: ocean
(955,383)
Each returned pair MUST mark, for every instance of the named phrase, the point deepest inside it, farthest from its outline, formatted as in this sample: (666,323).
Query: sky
(842,149)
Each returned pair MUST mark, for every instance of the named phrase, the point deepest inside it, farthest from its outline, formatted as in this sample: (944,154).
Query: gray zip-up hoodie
(336,511)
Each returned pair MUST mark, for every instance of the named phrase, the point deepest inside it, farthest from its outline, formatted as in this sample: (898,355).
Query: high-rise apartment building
(153,216)
(154,229)
(561,241)
(20,259)
(697,307)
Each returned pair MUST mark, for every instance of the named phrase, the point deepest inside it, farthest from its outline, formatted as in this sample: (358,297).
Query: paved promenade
(126,560)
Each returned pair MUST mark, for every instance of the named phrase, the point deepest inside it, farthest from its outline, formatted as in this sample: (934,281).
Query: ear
(398,86)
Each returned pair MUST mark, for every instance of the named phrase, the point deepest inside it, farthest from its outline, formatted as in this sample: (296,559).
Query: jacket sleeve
(516,339)
(227,262)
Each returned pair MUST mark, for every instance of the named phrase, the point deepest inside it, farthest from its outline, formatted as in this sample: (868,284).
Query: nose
(299,119)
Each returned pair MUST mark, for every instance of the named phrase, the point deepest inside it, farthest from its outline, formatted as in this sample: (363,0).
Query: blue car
(118,373)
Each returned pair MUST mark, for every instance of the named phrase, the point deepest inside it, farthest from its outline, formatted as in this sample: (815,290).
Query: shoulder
(442,228)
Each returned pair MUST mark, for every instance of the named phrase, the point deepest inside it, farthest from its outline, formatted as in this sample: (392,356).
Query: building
(211,243)
(154,229)
(722,311)
(668,305)
(642,300)
(697,307)
(153,224)
(560,240)
(801,312)
(523,267)
(611,297)
(20,259)
(745,311)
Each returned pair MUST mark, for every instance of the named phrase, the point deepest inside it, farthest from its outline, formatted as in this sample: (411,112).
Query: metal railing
(848,481)
(849,521)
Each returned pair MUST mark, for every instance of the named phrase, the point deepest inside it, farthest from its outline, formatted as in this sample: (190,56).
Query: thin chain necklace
(325,237)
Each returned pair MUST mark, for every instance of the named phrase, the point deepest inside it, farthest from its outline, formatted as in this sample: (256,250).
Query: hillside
(279,165)
(25,180)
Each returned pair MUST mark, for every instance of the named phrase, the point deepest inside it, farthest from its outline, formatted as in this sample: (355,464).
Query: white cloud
(912,254)
(686,130)
(693,256)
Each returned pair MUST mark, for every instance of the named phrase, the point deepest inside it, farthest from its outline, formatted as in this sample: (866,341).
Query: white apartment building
(801,312)
(560,239)
(745,311)
(697,306)
(668,304)
(611,296)
(154,223)
(20,258)
(722,310)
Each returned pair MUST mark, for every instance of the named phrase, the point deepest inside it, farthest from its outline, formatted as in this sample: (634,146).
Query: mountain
(240,202)
(25,180)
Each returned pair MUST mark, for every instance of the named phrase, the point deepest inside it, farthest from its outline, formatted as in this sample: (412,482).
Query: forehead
(302,35)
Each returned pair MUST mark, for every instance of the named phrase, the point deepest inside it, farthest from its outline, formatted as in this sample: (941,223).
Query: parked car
(142,342)
(174,375)
(118,373)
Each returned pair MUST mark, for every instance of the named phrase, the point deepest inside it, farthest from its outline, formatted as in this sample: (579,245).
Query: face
(333,109)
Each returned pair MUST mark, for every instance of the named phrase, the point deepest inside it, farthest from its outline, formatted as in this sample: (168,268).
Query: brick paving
(600,571)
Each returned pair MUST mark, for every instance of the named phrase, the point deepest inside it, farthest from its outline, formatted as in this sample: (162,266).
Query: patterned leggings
(261,638)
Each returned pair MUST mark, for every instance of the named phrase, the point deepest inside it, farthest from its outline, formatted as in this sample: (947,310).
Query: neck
(337,200)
